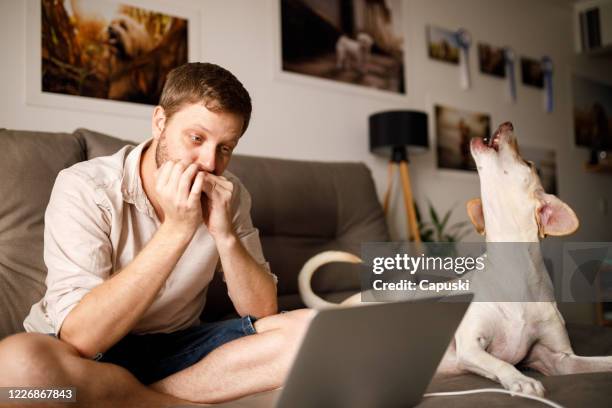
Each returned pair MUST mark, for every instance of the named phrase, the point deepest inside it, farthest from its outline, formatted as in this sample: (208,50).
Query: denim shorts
(152,357)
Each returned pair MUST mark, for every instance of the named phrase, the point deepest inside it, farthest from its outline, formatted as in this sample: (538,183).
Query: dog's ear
(474,210)
(554,217)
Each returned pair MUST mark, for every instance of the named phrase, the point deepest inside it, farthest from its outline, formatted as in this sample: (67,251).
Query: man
(132,241)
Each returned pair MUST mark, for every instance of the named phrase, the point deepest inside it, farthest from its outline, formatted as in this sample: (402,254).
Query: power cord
(497,390)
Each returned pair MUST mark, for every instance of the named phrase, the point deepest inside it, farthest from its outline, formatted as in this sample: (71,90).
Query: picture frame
(532,73)
(591,113)
(327,84)
(491,60)
(35,91)
(453,128)
(442,44)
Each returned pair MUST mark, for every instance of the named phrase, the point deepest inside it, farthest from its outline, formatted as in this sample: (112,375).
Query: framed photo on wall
(532,73)
(491,60)
(356,42)
(442,44)
(454,128)
(92,54)
(592,113)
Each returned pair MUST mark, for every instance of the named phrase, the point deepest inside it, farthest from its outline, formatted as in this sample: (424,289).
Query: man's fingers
(222,181)
(187,178)
(211,182)
(196,188)
(207,185)
(177,171)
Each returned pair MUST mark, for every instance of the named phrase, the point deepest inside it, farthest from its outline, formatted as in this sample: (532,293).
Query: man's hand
(179,186)
(216,205)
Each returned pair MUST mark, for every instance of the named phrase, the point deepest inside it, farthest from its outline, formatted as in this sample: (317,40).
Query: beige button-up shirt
(99,218)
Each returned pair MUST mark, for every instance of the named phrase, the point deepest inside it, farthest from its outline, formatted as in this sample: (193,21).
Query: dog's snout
(506,126)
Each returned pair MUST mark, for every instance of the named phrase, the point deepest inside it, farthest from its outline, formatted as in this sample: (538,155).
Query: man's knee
(293,319)
(31,359)
(295,324)
(300,319)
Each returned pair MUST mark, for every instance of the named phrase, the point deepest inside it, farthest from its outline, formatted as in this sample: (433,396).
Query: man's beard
(161,151)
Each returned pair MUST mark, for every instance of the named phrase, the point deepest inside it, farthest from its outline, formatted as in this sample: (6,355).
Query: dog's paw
(525,385)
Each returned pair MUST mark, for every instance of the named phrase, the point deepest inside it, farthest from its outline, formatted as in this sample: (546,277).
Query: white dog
(354,53)
(494,336)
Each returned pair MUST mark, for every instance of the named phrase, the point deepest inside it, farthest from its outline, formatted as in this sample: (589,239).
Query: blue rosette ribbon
(547,73)
(464,40)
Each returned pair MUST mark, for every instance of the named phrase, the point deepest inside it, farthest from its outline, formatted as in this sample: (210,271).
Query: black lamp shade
(398,129)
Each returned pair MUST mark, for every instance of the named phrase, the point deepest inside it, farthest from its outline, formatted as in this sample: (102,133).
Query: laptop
(376,355)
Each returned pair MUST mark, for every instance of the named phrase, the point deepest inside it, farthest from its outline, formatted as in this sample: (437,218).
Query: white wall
(309,119)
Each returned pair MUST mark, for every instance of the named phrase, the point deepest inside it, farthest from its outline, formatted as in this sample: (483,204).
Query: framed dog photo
(442,44)
(492,60)
(454,129)
(357,42)
(85,53)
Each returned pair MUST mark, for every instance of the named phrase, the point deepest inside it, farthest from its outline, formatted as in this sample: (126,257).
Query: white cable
(498,390)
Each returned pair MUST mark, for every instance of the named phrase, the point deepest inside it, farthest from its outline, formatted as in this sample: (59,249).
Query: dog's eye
(123,25)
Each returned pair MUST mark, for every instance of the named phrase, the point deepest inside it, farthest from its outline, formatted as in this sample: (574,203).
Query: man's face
(195,134)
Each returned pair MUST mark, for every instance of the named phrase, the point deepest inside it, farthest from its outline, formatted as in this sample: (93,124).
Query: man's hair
(213,86)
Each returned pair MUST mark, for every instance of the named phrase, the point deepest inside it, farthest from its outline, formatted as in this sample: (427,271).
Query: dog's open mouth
(502,135)
(492,141)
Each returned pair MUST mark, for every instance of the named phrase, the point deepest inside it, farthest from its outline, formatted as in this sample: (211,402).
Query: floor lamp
(393,134)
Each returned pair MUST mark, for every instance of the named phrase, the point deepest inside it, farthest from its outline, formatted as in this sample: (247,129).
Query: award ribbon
(464,40)
(547,72)
(510,77)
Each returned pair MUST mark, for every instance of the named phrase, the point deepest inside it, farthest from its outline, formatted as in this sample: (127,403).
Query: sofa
(300,208)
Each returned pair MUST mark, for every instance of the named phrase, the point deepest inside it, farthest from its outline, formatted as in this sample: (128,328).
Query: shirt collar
(131,182)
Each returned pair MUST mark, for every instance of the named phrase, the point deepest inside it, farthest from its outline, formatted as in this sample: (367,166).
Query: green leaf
(445,219)
(433,214)
(439,231)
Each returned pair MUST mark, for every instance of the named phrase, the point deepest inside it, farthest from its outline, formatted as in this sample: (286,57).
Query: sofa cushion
(29,163)
(99,144)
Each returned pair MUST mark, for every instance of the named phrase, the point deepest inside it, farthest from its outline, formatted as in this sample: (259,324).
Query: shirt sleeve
(77,248)
(243,226)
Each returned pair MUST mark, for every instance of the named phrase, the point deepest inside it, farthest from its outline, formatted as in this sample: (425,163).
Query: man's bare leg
(37,360)
(244,366)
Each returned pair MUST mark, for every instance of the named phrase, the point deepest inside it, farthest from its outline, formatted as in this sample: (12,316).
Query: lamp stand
(399,159)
